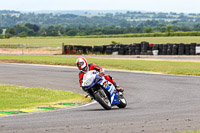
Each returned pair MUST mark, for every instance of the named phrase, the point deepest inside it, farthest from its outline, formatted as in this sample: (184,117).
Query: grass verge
(191,132)
(57,41)
(15,97)
(165,67)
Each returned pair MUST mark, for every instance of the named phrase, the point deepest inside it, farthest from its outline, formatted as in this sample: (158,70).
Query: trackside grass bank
(57,41)
(191,132)
(165,67)
(15,97)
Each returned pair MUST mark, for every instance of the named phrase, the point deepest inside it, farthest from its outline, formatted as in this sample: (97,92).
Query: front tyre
(102,99)
(123,102)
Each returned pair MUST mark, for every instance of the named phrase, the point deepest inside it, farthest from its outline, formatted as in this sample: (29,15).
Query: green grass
(191,132)
(57,41)
(166,67)
(14,97)
(17,46)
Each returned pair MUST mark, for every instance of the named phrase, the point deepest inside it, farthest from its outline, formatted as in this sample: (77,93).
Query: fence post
(63,48)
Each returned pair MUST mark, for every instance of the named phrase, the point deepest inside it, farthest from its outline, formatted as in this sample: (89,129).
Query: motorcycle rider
(83,66)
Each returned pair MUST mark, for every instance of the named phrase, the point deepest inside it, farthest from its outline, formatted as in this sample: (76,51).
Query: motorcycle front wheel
(102,99)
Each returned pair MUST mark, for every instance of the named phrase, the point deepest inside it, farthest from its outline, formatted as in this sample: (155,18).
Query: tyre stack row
(83,49)
(169,49)
(99,49)
(137,48)
(143,48)
(131,49)
(187,49)
(127,50)
(69,49)
(181,49)
(75,49)
(109,49)
(165,48)
(193,48)
(175,49)
(121,49)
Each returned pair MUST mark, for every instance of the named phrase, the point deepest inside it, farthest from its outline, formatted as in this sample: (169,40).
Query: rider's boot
(88,95)
(118,88)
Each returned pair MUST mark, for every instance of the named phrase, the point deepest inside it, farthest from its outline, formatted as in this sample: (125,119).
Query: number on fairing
(111,90)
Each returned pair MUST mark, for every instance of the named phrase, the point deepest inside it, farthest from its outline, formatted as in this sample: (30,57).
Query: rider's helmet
(82,64)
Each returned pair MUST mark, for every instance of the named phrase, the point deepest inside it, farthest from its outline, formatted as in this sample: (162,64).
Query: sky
(185,6)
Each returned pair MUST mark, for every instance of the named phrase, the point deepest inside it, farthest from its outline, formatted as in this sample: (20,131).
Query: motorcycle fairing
(111,89)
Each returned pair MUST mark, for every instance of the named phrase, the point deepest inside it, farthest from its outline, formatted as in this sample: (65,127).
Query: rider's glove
(101,73)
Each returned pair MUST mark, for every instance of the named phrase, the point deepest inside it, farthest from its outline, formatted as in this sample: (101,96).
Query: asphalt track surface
(156,103)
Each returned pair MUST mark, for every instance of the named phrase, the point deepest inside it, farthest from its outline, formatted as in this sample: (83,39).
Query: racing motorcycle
(103,91)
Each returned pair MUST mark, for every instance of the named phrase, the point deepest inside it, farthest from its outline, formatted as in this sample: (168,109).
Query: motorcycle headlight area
(88,82)
(96,80)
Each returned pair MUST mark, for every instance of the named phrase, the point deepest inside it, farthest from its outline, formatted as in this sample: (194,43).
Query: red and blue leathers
(93,66)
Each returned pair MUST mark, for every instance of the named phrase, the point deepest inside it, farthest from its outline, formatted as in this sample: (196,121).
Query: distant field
(99,41)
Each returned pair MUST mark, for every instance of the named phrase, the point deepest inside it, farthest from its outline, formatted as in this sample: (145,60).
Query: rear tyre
(102,99)
(123,102)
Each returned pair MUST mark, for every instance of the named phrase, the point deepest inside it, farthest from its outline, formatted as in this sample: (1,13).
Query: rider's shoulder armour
(90,64)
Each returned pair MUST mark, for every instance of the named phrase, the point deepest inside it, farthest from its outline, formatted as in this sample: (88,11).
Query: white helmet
(81,63)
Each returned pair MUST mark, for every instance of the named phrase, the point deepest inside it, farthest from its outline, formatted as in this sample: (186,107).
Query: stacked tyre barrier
(99,49)
(109,49)
(143,48)
(75,49)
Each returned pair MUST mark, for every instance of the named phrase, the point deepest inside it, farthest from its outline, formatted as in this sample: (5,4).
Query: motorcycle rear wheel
(123,102)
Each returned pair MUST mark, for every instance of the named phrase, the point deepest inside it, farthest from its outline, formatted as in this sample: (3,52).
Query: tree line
(140,23)
(29,29)
(128,19)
